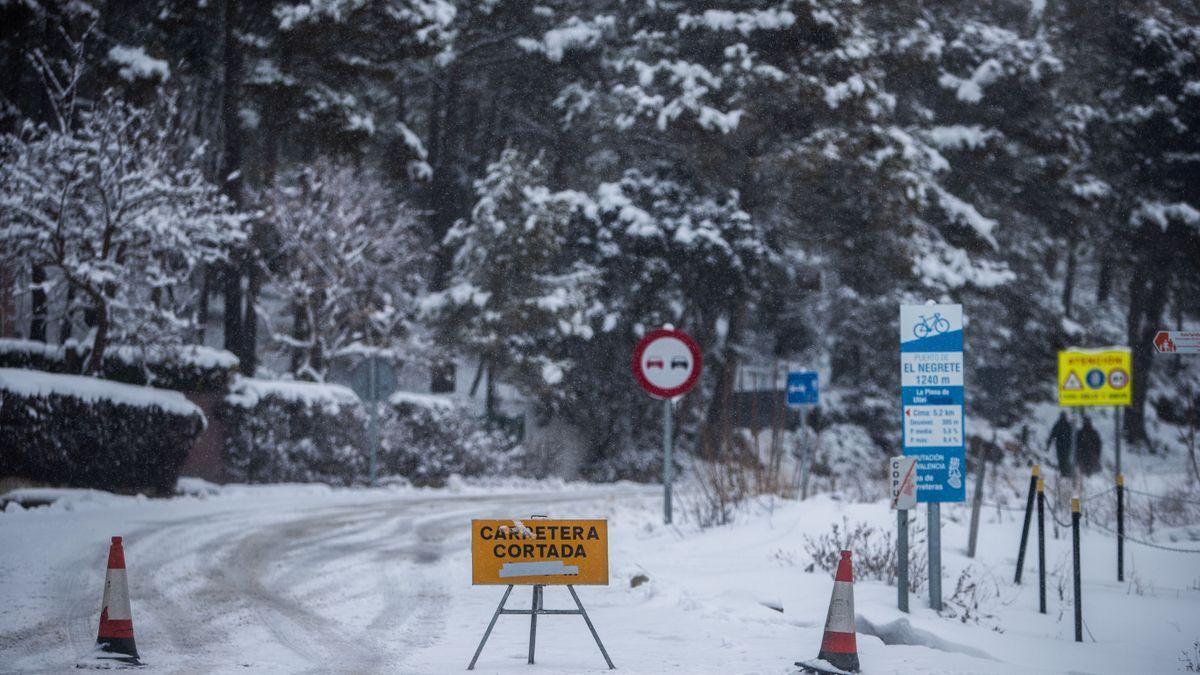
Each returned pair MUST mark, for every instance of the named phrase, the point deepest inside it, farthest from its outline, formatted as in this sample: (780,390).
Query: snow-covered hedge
(189,368)
(283,431)
(427,438)
(287,431)
(88,432)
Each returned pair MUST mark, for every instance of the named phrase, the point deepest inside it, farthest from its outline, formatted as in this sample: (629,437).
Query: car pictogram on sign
(679,362)
(654,363)
(1118,378)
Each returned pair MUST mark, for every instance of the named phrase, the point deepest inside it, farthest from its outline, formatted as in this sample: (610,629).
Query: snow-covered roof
(246,392)
(91,389)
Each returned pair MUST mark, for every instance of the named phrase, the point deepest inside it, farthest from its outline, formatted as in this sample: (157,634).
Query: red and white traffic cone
(114,642)
(839,647)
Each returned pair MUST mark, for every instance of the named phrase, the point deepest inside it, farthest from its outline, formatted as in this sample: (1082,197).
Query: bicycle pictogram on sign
(935,324)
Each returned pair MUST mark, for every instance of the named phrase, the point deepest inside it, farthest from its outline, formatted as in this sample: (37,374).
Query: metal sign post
(373,379)
(667,468)
(667,363)
(538,610)
(932,396)
(803,390)
(902,474)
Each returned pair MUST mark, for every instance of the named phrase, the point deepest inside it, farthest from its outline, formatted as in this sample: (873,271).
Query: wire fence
(1053,510)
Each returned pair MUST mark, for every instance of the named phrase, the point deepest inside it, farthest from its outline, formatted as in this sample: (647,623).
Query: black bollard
(1078,589)
(1041,522)
(1120,527)
(1033,479)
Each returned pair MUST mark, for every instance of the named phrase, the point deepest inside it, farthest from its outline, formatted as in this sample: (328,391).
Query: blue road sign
(931,392)
(803,388)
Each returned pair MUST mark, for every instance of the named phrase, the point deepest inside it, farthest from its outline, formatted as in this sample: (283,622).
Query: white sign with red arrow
(1177,342)
(902,475)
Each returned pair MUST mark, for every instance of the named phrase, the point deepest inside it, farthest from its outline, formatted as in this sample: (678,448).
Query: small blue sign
(803,388)
(1096,378)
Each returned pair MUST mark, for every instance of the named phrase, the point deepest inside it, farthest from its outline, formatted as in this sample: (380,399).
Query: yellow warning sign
(1100,377)
(539,551)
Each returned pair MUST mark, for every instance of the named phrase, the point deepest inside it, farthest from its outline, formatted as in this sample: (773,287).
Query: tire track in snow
(214,590)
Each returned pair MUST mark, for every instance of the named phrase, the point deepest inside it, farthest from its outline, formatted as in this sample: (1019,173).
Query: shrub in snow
(190,368)
(428,438)
(845,451)
(643,465)
(351,258)
(88,432)
(284,431)
(975,596)
(874,552)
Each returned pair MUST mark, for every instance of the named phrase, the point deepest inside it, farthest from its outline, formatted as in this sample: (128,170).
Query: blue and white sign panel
(931,391)
(802,388)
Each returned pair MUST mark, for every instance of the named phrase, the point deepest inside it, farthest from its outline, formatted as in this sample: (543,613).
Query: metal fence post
(1033,479)
(1120,527)
(976,504)
(1041,523)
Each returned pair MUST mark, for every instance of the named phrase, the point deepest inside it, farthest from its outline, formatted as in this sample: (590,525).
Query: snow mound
(432,401)
(246,392)
(37,383)
(902,632)
(64,499)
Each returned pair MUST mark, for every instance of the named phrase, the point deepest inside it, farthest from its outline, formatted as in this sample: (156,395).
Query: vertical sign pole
(1074,454)
(803,457)
(1078,591)
(667,460)
(533,613)
(902,559)
(935,556)
(1117,436)
(373,388)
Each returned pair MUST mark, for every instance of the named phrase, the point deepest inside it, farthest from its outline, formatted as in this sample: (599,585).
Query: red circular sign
(666,363)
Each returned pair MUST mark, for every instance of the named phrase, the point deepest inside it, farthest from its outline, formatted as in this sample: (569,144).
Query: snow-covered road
(306,579)
(354,582)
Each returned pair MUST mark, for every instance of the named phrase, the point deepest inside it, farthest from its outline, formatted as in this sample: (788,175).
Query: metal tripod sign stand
(537,609)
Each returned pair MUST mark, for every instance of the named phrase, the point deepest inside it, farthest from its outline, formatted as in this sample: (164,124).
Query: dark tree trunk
(1104,285)
(1069,283)
(299,334)
(718,422)
(489,403)
(64,328)
(37,300)
(444,199)
(239,284)
(100,343)
(1148,291)
(202,305)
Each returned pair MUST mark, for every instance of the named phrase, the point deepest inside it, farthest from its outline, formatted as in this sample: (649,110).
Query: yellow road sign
(1100,377)
(539,551)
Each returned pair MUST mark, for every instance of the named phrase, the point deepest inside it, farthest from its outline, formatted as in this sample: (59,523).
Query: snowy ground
(307,579)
